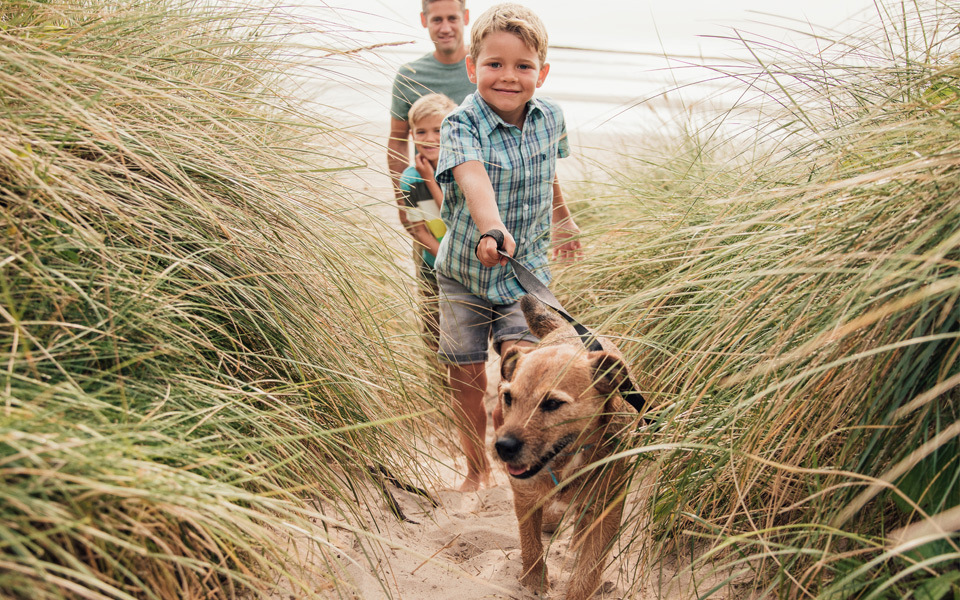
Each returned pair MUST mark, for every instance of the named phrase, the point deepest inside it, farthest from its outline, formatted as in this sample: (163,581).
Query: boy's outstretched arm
(482,204)
(566,234)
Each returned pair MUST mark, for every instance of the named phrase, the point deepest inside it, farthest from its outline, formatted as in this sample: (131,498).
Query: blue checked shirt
(521,165)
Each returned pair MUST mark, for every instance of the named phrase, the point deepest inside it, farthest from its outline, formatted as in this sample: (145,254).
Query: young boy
(500,148)
(422,197)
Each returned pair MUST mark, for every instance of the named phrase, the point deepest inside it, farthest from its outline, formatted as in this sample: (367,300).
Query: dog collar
(553,475)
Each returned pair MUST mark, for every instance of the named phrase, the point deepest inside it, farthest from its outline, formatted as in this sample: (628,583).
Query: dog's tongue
(515,470)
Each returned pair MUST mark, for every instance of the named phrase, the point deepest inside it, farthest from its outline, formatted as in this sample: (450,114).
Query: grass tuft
(195,341)
(788,296)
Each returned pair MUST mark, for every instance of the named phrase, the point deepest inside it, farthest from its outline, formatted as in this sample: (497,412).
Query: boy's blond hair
(430,105)
(512,18)
(426,4)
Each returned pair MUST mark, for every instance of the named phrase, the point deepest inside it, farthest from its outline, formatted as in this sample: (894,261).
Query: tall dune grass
(194,339)
(788,293)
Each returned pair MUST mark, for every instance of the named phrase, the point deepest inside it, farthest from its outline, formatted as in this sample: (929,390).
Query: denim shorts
(467,323)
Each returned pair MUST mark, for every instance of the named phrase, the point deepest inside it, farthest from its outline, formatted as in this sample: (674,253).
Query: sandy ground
(467,548)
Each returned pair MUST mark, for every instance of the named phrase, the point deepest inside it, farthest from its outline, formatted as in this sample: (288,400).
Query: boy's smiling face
(507,73)
(426,137)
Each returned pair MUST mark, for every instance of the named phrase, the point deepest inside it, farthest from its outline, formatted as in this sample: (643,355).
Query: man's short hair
(430,105)
(426,4)
(512,18)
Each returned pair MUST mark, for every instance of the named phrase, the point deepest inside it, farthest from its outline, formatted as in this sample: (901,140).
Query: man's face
(445,21)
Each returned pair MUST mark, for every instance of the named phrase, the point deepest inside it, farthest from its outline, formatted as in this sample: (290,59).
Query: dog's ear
(508,362)
(540,319)
(609,371)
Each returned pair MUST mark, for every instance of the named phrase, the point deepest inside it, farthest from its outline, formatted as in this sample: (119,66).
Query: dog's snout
(508,447)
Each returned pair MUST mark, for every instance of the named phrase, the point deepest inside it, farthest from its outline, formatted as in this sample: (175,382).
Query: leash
(533,286)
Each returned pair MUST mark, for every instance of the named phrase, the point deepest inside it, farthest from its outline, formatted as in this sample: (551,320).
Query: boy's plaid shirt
(521,165)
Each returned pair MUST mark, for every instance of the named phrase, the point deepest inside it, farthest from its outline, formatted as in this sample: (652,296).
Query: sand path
(467,548)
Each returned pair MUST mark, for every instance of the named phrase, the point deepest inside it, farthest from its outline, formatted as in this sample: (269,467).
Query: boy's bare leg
(469,383)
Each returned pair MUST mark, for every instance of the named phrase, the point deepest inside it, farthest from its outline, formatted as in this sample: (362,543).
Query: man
(443,71)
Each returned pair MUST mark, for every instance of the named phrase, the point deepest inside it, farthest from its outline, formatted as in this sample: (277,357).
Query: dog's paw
(536,579)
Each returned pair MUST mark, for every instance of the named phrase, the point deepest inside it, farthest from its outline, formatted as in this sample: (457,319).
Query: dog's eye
(507,399)
(551,404)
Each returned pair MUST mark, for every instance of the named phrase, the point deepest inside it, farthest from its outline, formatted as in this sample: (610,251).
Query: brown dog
(559,403)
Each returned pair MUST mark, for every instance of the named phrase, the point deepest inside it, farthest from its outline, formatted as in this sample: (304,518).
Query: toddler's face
(426,136)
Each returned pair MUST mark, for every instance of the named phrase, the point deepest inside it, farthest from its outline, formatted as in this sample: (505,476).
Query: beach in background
(618,68)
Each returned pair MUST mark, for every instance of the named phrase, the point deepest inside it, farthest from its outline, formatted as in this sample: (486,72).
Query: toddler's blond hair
(512,18)
(429,105)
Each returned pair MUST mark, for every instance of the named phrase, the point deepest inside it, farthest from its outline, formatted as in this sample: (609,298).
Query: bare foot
(475,481)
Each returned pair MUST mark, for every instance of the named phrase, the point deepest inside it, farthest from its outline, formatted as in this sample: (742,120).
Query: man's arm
(398,157)
(482,204)
(565,232)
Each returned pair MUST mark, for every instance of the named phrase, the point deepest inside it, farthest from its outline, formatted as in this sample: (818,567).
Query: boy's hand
(566,241)
(424,167)
(487,249)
